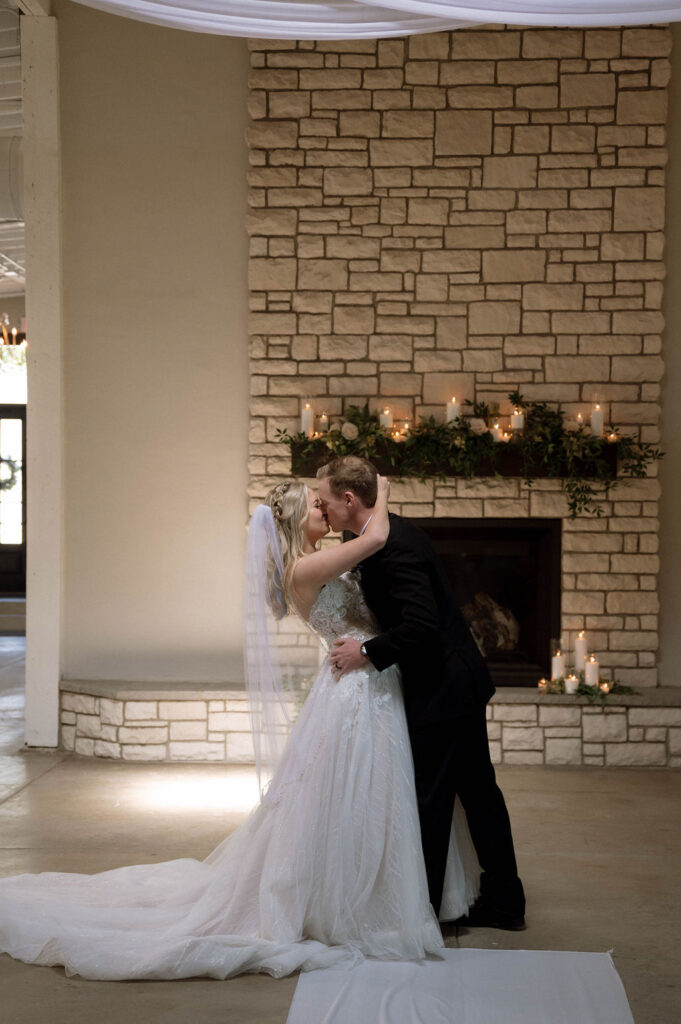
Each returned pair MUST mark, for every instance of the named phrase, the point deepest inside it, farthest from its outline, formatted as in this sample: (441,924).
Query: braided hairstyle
(288,501)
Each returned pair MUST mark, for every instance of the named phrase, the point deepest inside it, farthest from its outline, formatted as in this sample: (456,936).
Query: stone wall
(466,213)
(115,721)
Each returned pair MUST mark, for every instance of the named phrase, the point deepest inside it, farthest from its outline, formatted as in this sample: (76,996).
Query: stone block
(88,725)
(675,741)
(405,124)
(348,181)
(151,752)
(646,42)
(143,734)
(529,345)
(86,747)
(188,730)
(573,138)
(518,737)
(527,72)
(602,43)
(603,728)
(272,134)
(448,262)
(401,152)
(537,97)
(494,317)
(642,106)
(567,368)
(400,384)
(655,716)
(495,752)
(639,209)
(553,296)
(230,721)
(80,702)
(196,750)
(463,132)
(105,748)
(523,757)
(479,236)
(480,96)
(353,320)
(182,710)
(346,385)
(555,714)
(464,508)
(135,710)
(239,748)
(272,274)
(589,90)
(487,360)
(111,711)
(365,123)
(530,138)
(485,45)
(552,42)
(514,712)
(510,172)
(428,211)
(289,104)
(563,751)
(319,274)
(439,387)
(635,754)
(68,736)
(513,265)
(350,347)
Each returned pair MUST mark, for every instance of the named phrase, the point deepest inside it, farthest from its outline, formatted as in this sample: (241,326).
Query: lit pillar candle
(386,419)
(323,423)
(307,420)
(453,410)
(543,685)
(517,419)
(580,420)
(597,421)
(591,672)
(571,684)
(558,665)
(580,650)
(496,432)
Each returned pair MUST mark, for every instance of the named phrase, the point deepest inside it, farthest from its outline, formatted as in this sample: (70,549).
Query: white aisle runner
(468,986)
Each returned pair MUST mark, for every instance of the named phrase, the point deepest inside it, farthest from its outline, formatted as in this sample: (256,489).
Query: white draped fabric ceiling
(347,19)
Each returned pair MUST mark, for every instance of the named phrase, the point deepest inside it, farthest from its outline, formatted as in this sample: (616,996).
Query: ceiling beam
(37,8)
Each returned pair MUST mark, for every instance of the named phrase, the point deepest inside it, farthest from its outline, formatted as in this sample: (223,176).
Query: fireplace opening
(505,574)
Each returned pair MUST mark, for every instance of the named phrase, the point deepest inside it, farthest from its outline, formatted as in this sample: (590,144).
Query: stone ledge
(153,691)
(656,697)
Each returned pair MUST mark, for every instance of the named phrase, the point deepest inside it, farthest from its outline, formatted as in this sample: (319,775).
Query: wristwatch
(363,650)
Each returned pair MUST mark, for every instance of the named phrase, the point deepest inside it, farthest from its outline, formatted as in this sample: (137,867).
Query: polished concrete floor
(599,851)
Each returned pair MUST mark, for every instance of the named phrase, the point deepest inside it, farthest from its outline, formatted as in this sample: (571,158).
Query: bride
(328,867)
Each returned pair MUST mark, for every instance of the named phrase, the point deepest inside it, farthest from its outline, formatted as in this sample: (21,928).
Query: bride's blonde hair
(289,504)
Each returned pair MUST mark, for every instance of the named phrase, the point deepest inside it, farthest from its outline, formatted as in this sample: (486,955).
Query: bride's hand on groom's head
(383,485)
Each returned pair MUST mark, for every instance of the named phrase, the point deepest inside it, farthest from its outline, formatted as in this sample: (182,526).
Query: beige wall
(154,201)
(670,472)
(14,306)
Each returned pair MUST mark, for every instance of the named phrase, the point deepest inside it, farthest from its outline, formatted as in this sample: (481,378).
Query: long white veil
(272,705)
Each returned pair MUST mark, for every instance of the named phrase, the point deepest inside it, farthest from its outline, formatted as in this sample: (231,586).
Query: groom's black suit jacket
(444,675)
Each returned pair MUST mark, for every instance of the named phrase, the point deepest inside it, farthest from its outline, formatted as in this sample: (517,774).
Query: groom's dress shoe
(482,915)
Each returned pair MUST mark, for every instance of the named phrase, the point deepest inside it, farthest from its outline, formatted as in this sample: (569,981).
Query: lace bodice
(340,610)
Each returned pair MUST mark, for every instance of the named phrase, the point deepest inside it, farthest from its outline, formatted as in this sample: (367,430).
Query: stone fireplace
(469,213)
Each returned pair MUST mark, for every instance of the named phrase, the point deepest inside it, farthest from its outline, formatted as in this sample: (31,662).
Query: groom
(446,688)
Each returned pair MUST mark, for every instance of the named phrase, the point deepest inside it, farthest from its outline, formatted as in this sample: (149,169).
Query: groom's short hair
(350,473)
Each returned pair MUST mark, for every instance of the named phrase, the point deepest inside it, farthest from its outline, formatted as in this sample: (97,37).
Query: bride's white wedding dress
(327,867)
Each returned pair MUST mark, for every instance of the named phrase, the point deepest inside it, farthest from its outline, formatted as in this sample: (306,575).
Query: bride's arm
(313,571)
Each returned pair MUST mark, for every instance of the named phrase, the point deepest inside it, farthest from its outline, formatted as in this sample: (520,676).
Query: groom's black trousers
(451,758)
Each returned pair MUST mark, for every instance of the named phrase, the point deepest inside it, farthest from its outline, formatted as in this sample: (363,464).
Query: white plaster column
(42,204)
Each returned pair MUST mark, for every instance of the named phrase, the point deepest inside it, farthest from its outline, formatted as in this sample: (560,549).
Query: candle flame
(596,406)
(453,398)
(592,658)
(386,411)
(580,634)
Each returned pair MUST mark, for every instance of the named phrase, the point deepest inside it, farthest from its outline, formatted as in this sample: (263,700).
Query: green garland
(592,693)
(587,465)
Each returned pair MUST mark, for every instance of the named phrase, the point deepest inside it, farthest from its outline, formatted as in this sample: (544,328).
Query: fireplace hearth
(506,578)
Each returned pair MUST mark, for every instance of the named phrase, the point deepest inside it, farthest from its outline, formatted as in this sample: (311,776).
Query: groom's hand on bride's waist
(346,656)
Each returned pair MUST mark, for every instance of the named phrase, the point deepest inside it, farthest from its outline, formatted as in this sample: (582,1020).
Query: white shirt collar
(366,524)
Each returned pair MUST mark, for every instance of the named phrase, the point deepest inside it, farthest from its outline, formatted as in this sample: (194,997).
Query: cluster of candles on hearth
(400,429)
(582,662)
